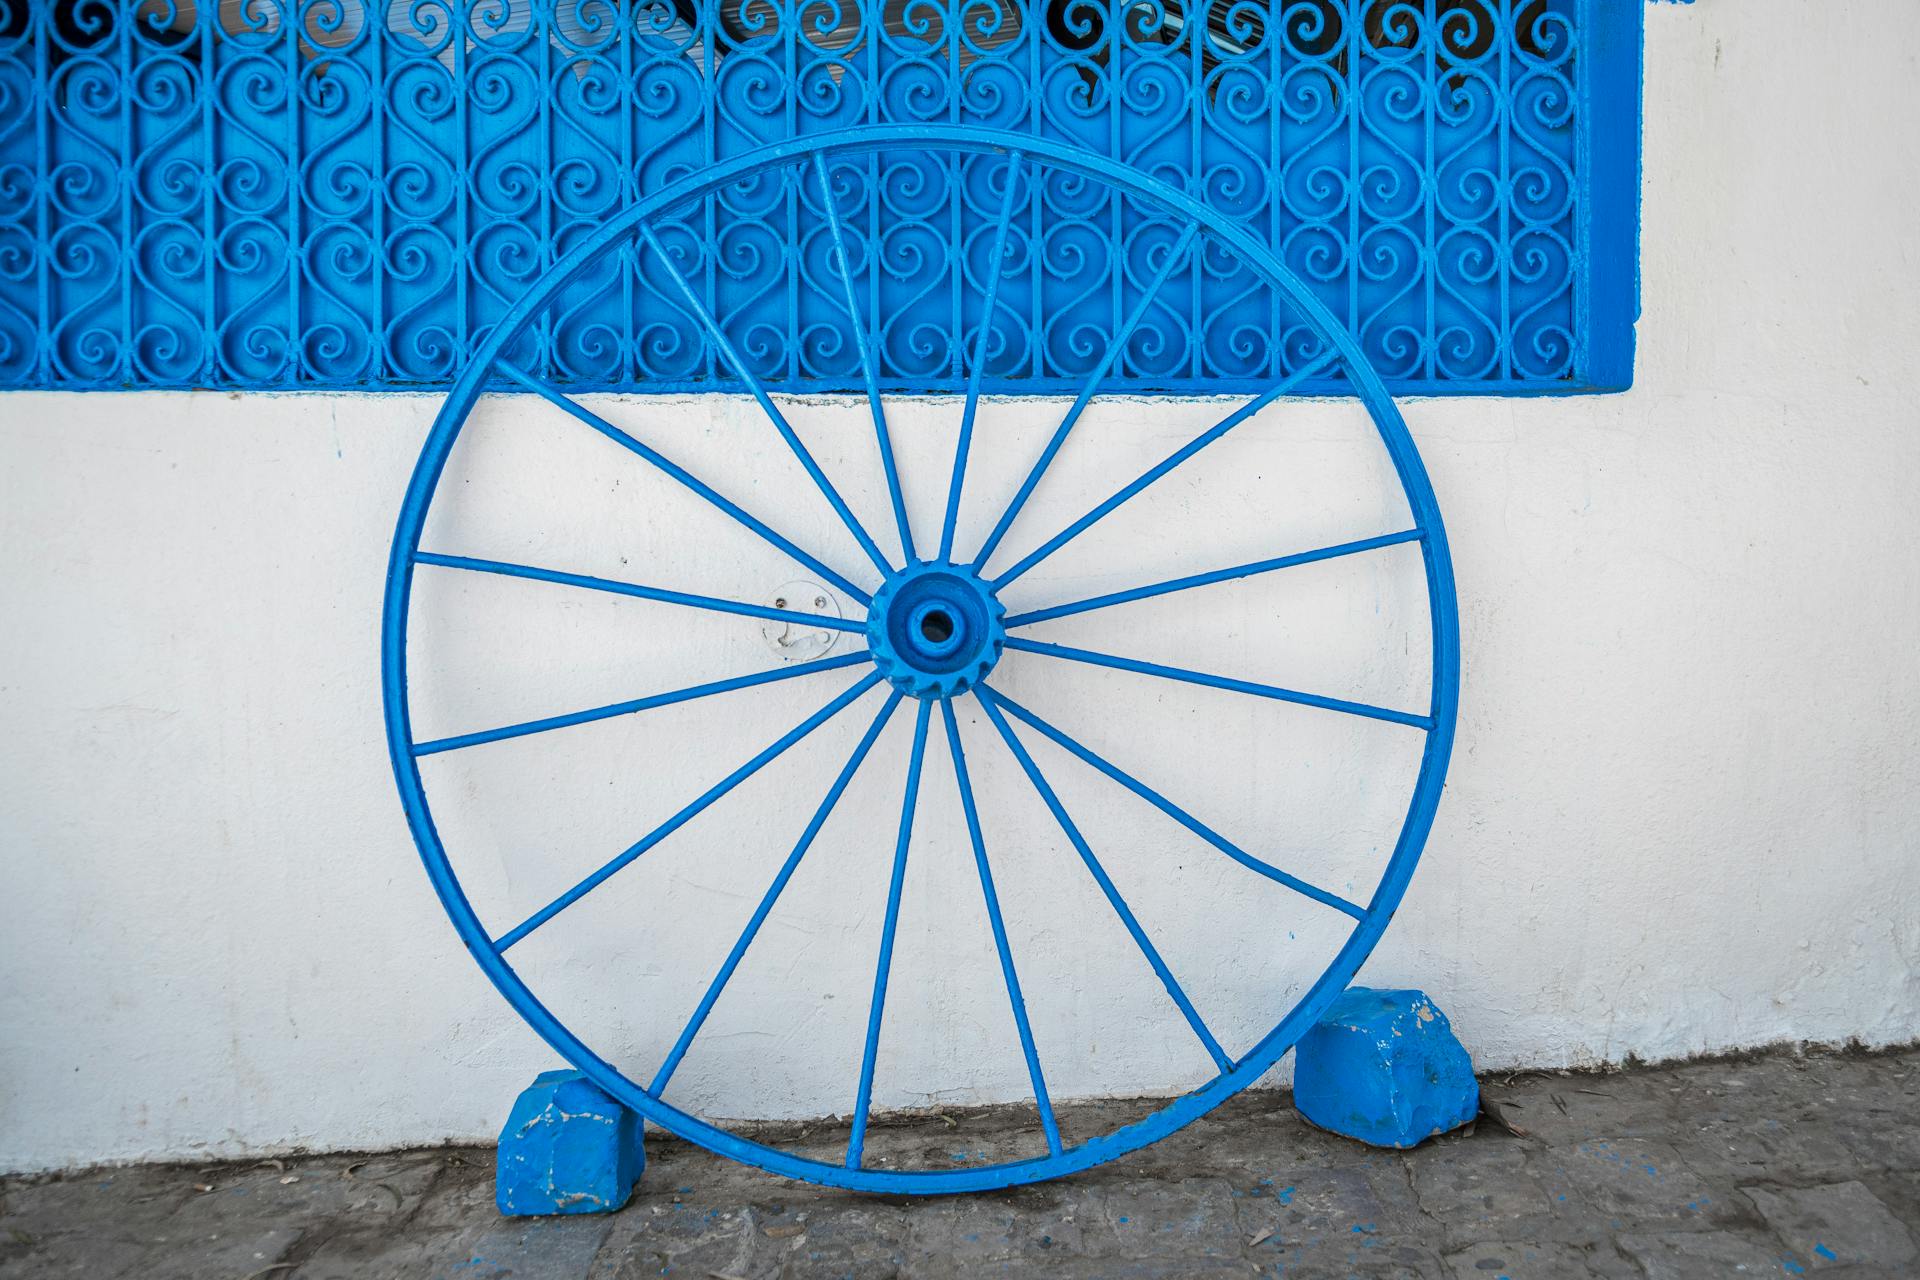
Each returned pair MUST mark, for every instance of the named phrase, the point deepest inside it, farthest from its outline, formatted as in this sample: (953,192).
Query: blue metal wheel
(933,635)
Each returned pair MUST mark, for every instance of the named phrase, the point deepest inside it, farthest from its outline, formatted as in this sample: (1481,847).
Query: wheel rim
(936,630)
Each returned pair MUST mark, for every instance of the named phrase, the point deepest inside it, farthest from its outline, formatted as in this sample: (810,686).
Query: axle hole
(937,627)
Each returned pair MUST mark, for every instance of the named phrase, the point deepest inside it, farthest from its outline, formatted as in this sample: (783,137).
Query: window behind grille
(269,195)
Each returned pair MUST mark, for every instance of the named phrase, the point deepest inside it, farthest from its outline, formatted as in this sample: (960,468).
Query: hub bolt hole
(937,627)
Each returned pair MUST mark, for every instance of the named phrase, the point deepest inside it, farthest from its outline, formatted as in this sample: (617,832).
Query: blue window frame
(285,193)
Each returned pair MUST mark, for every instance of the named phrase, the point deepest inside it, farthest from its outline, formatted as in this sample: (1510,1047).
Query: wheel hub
(935,629)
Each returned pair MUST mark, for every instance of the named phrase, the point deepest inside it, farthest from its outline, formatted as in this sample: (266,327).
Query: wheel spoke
(1220,682)
(772,896)
(691,811)
(1118,903)
(868,367)
(856,1144)
(1047,1121)
(648,703)
(1187,583)
(1087,392)
(1172,460)
(681,474)
(714,603)
(974,375)
(1172,810)
(699,312)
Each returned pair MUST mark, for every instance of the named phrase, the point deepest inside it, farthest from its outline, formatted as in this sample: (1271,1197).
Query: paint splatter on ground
(1779,1165)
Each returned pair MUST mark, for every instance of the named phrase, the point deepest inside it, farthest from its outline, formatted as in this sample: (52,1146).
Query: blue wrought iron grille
(348,193)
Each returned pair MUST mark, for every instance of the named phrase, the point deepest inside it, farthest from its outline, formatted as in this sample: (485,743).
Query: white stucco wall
(1682,816)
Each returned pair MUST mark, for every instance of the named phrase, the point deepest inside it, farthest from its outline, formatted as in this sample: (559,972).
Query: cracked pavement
(1777,1164)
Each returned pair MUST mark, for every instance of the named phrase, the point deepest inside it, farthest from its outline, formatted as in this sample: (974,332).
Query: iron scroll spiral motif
(352,193)
(945,609)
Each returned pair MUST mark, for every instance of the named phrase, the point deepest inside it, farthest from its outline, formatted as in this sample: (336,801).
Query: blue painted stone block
(1384,1067)
(567,1148)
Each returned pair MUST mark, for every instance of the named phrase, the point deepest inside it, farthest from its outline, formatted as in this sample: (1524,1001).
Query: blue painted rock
(1384,1067)
(567,1148)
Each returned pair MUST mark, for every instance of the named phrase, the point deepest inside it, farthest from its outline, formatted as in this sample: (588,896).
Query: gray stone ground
(1774,1165)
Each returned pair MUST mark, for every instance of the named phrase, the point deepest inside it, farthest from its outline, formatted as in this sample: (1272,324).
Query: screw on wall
(793,641)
